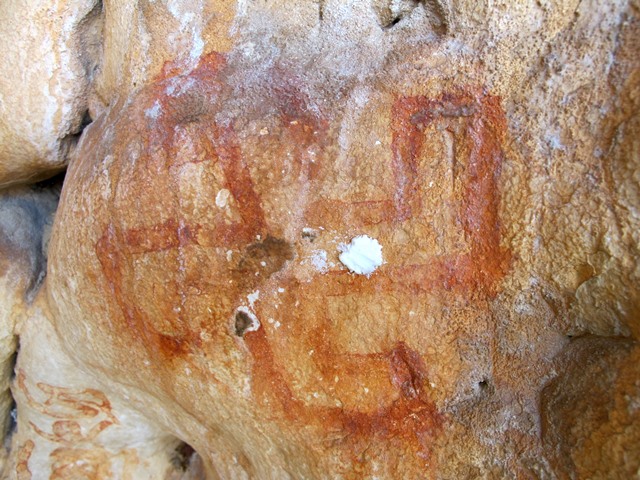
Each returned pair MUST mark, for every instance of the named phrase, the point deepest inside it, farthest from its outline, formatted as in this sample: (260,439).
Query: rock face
(50,54)
(195,291)
(26,215)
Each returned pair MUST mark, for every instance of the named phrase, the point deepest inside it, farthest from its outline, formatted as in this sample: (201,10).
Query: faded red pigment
(412,419)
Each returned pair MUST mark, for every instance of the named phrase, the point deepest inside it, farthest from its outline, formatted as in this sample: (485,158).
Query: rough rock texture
(26,216)
(490,148)
(49,55)
(69,428)
(140,37)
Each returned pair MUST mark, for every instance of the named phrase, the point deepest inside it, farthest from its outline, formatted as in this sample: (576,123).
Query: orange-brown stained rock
(80,463)
(139,326)
(427,328)
(411,415)
(412,419)
(177,253)
(486,262)
(22,467)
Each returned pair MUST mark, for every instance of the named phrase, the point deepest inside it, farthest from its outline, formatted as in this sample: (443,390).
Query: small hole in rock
(309,234)
(243,322)
(182,456)
(11,425)
(394,22)
(86,121)
(483,384)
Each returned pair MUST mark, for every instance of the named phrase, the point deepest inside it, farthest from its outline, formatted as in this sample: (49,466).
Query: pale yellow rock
(68,427)
(48,60)
(140,39)
(26,215)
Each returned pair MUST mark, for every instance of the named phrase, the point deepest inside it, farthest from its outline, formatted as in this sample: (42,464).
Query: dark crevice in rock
(10,422)
(321,10)
(243,323)
(182,456)
(26,218)
(391,12)
(89,40)
(187,463)
(69,143)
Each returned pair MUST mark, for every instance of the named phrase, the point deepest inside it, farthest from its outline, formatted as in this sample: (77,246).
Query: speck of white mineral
(154,111)
(253,297)
(222,197)
(362,256)
(319,260)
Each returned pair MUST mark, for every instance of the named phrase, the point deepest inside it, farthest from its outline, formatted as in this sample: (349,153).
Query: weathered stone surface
(492,150)
(68,427)
(588,412)
(139,38)
(49,57)
(26,216)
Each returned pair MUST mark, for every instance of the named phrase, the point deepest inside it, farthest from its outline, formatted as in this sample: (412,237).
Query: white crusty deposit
(362,256)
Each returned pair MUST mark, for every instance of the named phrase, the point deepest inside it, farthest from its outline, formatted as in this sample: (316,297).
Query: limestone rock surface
(49,58)
(194,279)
